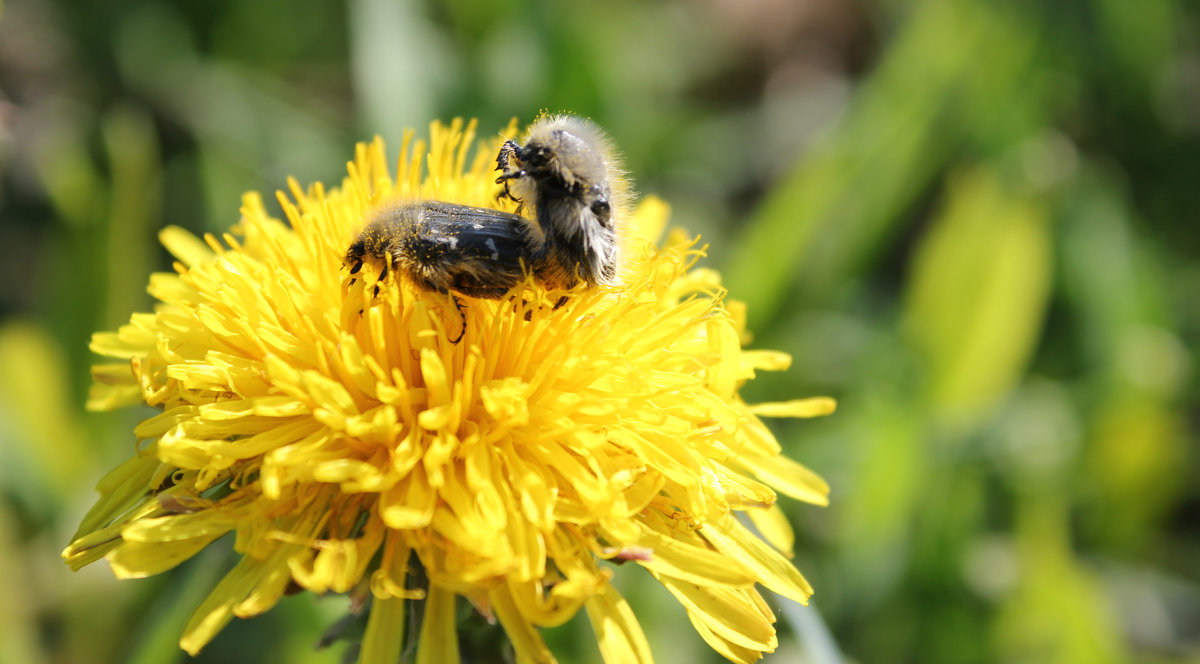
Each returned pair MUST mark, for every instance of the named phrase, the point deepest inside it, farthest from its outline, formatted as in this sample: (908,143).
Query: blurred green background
(972,222)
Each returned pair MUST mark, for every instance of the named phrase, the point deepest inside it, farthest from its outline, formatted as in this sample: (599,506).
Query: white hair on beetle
(568,177)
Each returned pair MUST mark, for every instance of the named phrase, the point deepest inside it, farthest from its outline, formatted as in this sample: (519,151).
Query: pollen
(334,424)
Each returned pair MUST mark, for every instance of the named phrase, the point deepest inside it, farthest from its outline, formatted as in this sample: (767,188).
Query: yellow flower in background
(354,448)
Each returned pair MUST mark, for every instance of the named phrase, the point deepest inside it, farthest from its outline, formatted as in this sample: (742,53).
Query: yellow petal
(189,249)
(119,490)
(773,524)
(767,360)
(439,634)
(729,613)
(217,609)
(788,477)
(617,629)
(729,651)
(685,560)
(389,580)
(111,397)
(136,560)
(130,341)
(526,641)
(648,221)
(384,638)
(812,407)
(773,570)
(271,584)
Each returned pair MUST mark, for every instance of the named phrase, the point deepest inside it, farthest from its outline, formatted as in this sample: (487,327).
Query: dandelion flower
(348,442)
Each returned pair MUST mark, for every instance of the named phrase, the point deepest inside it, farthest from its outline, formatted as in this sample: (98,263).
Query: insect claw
(462,314)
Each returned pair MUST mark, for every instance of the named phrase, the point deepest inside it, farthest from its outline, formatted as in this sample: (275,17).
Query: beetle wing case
(446,247)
